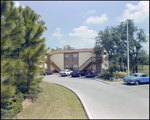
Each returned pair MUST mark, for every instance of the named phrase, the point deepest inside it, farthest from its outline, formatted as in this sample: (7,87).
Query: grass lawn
(55,102)
(145,69)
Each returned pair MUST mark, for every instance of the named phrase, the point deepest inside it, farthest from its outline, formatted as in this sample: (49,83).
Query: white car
(65,72)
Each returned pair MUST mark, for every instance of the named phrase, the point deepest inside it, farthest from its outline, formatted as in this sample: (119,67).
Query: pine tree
(35,48)
(12,32)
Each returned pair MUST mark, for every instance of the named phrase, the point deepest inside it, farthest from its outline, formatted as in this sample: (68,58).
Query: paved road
(108,100)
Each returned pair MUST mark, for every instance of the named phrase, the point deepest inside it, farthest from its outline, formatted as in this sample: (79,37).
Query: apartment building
(77,59)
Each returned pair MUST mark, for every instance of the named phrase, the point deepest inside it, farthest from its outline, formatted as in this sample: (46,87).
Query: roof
(71,51)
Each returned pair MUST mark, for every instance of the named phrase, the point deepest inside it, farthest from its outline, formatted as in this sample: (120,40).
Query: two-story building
(77,59)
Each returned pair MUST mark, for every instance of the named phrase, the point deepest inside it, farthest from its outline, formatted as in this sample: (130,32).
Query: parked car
(85,71)
(47,72)
(91,72)
(65,72)
(137,78)
(77,73)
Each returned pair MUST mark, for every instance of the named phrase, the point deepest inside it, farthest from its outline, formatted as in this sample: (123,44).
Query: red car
(47,72)
(91,72)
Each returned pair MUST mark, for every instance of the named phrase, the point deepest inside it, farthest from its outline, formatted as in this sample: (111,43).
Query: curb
(85,108)
(102,81)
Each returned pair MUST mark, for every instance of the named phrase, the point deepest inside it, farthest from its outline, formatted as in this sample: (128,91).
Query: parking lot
(107,100)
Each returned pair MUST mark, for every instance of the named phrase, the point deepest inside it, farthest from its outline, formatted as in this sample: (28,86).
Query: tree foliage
(66,47)
(22,52)
(114,41)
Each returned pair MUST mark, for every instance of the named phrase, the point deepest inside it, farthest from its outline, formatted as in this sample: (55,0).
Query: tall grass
(56,102)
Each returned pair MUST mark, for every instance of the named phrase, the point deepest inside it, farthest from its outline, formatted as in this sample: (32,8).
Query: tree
(35,48)
(68,47)
(57,48)
(12,33)
(114,41)
(22,47)
(143,58)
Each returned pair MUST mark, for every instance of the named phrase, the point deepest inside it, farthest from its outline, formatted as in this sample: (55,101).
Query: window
(66,56)
(75,56)
(66,66)
(75,67)
(144,75)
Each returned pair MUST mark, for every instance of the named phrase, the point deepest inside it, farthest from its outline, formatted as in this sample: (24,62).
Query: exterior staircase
(90,61)
(50,62)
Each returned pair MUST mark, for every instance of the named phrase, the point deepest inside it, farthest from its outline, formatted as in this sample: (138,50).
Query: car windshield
(47,70)
(144,75)
(90,70)
(135,75)
(63,70)
(76,71)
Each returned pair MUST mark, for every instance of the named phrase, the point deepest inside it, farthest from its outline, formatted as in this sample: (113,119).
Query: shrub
(107,75)
(39,80)
(99,75)
(18,97)
(33,95)
(116,77)
(33,92)
(111,78)
(7,91)
(15,106)
(120,74)
(113,68)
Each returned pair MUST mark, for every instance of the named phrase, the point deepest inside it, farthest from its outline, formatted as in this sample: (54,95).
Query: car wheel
(136,82)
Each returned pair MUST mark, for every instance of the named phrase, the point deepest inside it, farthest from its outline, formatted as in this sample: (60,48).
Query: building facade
(78,59)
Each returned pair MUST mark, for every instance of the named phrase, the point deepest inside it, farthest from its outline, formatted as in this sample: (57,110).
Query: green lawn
(55,102)
(145,69)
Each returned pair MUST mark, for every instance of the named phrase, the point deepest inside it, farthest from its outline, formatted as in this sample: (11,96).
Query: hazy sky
(77,23)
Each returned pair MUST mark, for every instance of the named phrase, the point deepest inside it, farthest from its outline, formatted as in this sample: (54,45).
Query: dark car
(77,73)
(47,72)
(91,73)
(85,71)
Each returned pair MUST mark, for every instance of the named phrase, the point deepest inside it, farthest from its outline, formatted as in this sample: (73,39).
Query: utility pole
(128,51)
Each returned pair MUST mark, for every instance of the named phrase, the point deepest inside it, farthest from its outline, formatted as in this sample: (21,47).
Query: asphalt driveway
(108,100)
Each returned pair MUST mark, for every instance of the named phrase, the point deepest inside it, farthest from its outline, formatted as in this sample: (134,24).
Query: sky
(77,23)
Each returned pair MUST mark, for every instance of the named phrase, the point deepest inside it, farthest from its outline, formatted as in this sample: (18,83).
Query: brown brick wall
(71,62)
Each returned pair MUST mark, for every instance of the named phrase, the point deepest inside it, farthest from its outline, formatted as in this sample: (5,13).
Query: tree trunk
(28,86)
(142,66)
(28,78)
(109,59)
